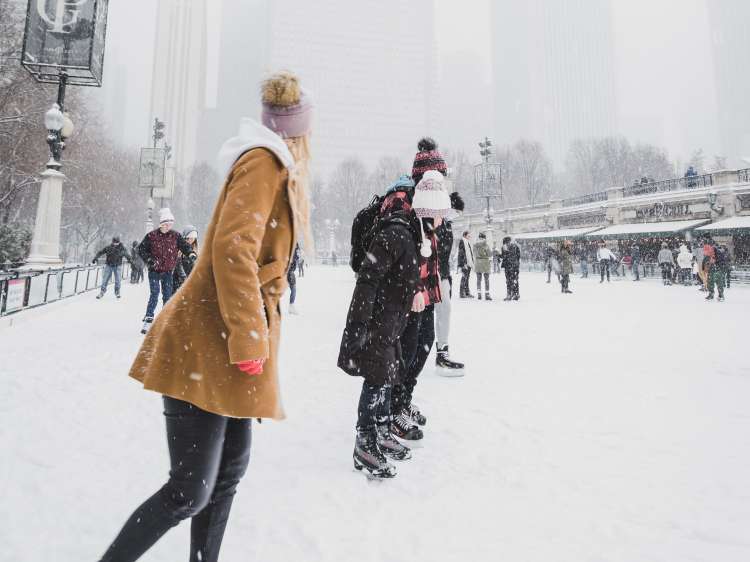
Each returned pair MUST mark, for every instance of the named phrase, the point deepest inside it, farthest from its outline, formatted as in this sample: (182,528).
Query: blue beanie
(403,183)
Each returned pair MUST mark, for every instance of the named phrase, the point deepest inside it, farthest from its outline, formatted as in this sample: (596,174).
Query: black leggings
(416,343)
(209,455)
(511,283)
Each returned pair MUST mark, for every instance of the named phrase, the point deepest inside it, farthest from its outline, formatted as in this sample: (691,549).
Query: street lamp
(488,180)
(332,226)
(63,44)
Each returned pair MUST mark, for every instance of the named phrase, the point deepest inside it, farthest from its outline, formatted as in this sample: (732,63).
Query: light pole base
(45,246)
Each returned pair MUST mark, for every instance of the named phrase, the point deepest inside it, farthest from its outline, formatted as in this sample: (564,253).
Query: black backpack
(363,231)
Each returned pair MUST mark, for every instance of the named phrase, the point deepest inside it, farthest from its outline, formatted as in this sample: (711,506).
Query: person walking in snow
(566,266)
(431,204)
(291,279)
(482,261)
(511,256)
(385,292)
(115,253)
(160,249)
(666,263)
(136,264)
(635,256)
(715,260)
(604,256)
(185,263)
(465,264)
(727,266)
(445,366)
(213,352)
(584,261)
(550,263)
(685,263)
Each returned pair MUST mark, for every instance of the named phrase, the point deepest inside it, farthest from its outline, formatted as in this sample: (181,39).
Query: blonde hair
(299,182)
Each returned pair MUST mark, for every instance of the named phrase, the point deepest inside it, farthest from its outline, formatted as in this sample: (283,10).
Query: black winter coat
(115,254)
(462,261)
(444,235)
(382,299)
(511,257)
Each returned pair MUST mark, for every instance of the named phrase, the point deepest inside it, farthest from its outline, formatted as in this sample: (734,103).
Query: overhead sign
(152,171)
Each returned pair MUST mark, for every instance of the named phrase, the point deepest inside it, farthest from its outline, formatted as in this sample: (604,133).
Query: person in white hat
(160,249)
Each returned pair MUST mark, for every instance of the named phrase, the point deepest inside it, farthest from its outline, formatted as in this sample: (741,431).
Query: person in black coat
(136,264)
(370,347)
(511,256)
(465,264)
(114,253)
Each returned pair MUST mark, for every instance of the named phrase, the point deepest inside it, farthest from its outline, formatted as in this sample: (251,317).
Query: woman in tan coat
(212,352)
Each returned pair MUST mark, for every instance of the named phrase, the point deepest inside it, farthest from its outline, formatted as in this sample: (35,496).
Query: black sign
(661,210)
(66,36)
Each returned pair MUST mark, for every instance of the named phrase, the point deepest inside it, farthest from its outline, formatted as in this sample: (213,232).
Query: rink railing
(21,290)
(739,273)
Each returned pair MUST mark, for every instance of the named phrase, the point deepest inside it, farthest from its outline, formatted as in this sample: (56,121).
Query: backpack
(363,231)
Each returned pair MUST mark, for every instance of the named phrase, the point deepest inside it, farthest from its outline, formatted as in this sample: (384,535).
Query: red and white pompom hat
(431,200)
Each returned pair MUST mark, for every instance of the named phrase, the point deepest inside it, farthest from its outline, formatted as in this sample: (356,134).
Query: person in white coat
(685,263)
(666,262)
(605,257)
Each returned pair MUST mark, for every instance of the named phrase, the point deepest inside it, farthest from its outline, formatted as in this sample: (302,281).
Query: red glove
(253,367)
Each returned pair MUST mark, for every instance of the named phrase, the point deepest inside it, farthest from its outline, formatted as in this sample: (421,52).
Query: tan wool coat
(227,311)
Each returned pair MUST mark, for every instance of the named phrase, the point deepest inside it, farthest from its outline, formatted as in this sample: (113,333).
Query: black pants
(416,343)
(486,282)
(604,268)
(565,281)
(209,455)
(465,273)
(511,283)
(374,406)
(666,273)
(136,274)
(636,271)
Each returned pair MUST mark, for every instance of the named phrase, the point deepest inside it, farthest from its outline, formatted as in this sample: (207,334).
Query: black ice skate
(99,296)
(487,297)
(412,412)
(445,367)
(147,320)
(390,446)
(368,457)
(403,428)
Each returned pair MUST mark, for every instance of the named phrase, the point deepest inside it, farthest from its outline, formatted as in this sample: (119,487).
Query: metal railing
(21,290)
(585,199)
(743,176)
(674,184)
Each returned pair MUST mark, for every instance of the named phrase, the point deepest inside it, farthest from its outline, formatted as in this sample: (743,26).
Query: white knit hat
(165,215)
(431,200)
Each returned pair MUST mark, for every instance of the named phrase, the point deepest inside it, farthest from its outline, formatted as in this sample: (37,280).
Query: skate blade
(373,476)
(411,444)
(449,373)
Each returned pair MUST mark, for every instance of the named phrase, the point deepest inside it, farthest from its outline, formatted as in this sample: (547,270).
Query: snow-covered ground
(608,425)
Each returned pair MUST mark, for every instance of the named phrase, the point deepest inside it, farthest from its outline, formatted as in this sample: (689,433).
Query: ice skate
(487,297)
(368,457)
(445,367)
(412,412)
(147,321)
(99,296)
(479,296)
(293,310)
(390,446)
(710,298)
(508,298)
(403,428)
(721,299)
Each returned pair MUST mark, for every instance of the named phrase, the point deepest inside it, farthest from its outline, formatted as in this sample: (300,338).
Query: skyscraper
(178,87)
(553,72)
(731,46)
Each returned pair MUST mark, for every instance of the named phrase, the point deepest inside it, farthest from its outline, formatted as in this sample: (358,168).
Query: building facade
(553,72)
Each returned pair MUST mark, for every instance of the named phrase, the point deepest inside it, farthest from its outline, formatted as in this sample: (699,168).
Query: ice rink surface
(608,425)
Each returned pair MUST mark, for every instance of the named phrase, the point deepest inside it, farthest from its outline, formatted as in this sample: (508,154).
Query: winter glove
(418,304)
(93,262)
(192,257)
(252,367)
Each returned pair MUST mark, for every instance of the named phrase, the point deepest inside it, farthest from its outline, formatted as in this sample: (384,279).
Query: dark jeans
(666,272)
(374,406)
(465,273)
(584,269)
(136,274)
(636,272)
(292,280)
(155,280)
(209,455)
(565,281)
(511,283)
(604,267)
(416,343)
(486,282)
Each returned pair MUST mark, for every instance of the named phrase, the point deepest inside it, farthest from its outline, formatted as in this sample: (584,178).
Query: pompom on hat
(287,107)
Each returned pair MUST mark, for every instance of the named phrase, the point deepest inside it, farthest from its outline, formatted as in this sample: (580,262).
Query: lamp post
(488,179)
(152,173)
(332,226)
(63,44)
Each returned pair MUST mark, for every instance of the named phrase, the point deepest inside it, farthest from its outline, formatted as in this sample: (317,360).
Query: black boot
(446,367)
(403,428)
(412,412)
(368,456)
(487,297)
(390,446)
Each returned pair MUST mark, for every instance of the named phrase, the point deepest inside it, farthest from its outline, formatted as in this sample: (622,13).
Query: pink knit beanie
(287,108)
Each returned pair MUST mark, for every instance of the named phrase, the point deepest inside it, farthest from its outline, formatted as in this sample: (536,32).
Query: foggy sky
(664,69)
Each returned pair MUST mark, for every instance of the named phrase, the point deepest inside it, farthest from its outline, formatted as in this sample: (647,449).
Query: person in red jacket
(160,250)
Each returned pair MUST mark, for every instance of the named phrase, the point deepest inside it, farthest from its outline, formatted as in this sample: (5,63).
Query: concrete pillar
(45,246)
